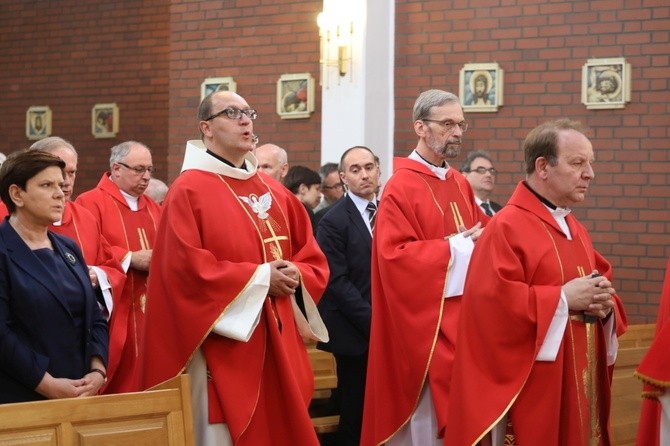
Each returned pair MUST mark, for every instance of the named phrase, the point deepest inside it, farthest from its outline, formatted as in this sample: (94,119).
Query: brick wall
(255,42)
(151,56)
(70,55)
(541,46)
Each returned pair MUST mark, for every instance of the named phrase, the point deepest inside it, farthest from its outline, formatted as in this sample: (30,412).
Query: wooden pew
(325,381)
(626,389)
(158,417)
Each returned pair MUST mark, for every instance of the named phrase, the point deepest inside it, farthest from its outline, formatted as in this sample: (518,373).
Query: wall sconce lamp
(336,42)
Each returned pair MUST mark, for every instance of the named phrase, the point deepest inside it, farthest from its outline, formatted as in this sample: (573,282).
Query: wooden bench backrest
(161,416)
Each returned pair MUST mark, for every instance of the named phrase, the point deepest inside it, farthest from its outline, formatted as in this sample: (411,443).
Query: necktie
(372,213)
(487,209)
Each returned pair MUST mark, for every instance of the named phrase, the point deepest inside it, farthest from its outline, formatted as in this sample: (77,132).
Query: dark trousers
(351,371)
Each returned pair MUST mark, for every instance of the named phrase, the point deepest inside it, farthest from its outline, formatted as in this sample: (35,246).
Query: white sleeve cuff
(106,288)
(240,318)
(552,341)
(461,251)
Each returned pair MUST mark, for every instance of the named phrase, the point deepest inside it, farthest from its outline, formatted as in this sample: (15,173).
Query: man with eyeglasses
(425,229)
(233,287)
(480,173)
(128,219)
(331,188)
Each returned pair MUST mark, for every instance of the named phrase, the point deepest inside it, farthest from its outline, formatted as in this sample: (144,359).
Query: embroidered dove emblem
(259,205)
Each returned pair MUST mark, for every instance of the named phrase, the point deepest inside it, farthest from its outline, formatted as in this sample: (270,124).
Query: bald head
(272,160)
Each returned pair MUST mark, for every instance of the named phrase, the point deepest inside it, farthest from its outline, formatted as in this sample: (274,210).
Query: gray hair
(120,151)
(326,170)
(52,143)
(430,99)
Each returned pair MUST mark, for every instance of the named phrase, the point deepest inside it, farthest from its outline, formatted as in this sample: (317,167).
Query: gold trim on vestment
(437,328)
(588,379)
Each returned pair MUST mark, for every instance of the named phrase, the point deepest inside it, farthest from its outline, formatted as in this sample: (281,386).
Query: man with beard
(481,92)
(425,229)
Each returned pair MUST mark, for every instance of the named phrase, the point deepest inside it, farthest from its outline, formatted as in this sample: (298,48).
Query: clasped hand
(284,278)
(592,295)
(474,232)
(52,388)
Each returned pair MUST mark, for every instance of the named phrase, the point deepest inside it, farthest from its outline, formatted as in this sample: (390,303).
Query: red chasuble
(82,227)
(125,230)
(511,294)
(654,370)
(215,232)
(413,330)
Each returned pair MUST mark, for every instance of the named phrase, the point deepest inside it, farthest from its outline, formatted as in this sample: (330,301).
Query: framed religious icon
(105,120)
(480,87)
(38,122)
(295,96)
(212,84)
(606,83)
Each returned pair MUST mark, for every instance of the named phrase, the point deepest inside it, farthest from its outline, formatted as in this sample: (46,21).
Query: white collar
(440,172)
(196,157)
(360,203)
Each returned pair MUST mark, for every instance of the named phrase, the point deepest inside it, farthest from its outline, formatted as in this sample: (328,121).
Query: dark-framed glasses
(235,113)
(482,170)
(449,126)
(338,186)
(139,170)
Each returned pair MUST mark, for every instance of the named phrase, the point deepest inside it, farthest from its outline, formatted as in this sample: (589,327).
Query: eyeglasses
(482,170)
(338,186)
(235,113)
(138,170)
(449,126)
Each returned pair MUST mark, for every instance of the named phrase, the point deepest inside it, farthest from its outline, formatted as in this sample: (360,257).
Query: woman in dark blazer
(53,337)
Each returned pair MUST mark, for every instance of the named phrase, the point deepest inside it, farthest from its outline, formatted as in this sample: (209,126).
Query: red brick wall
(255,42)
(70,55)
(541,46)
(150,57)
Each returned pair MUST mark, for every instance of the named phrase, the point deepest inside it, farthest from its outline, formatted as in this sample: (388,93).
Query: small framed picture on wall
(606,83)
(38,122)
(481,87)
(105,120)
(212,84)
(295,96)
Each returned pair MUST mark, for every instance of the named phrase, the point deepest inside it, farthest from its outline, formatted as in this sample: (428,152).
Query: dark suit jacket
(37,330)
(495,206)
(345,306)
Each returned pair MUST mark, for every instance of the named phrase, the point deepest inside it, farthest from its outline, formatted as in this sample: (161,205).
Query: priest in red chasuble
(654,371)
(234,279)
(540,319)
(128,220)
(426,226)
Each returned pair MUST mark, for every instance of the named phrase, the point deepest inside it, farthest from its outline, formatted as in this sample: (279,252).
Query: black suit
(38,330)
(495,206)
(346,309)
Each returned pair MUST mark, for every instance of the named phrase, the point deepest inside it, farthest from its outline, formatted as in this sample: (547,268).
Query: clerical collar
(440,172)
(546,202)
(443,166)
(223,160)
(556,212)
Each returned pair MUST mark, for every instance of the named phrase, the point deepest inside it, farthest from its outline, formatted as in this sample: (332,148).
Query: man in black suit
(345,237)
(480,173)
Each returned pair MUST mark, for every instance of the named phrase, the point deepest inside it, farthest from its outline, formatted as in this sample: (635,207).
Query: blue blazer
(345,306)
(37,330)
